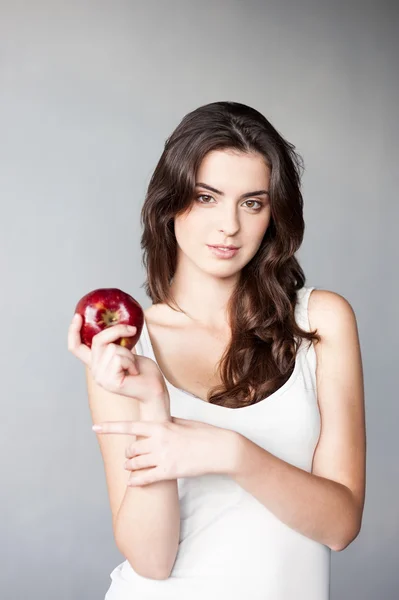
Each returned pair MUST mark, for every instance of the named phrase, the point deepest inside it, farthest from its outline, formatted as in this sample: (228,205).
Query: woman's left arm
(325,505)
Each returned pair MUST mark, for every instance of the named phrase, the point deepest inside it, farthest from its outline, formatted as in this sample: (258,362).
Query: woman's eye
(257,208)
(250,201)
(204,196)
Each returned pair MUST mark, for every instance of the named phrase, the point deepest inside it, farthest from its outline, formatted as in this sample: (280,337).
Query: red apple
(106,307)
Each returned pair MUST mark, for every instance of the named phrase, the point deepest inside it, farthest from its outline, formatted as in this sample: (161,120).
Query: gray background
(89,91)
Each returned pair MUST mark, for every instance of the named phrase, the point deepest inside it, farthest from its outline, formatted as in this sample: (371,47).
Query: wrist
(157,409)
(225,444)
(235,444)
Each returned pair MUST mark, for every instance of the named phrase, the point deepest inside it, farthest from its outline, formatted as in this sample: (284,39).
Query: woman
(233,436)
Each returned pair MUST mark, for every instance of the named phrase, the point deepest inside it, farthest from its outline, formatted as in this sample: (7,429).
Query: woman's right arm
(124,386)
(145,519)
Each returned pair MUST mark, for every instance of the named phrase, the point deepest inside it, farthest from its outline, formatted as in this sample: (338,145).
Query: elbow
(152,573)
(344,544)
(145,568)
(347,540)
(350,528)
(341,546)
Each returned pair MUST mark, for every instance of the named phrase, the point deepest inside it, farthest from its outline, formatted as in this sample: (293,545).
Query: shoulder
(330,313)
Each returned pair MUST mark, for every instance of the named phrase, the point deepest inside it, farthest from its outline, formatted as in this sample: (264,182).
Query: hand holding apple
(108,353)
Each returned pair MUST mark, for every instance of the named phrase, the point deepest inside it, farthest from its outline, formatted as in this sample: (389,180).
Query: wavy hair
(265,337)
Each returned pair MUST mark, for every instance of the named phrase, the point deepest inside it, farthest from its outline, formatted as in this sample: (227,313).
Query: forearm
(316,507)
(148,522)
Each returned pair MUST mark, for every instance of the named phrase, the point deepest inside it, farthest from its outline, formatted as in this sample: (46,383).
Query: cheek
(258,230)
(190,227)
(257,235)
(187,232)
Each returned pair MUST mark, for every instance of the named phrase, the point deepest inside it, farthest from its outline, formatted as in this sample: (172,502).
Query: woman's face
(225,216)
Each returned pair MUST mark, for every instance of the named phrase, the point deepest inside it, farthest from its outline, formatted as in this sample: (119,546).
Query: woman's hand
(176,448)
(115,368)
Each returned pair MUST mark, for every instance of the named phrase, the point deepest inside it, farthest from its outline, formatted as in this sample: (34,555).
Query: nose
(229,222)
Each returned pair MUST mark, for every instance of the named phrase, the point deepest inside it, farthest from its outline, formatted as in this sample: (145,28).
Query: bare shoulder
(328,311)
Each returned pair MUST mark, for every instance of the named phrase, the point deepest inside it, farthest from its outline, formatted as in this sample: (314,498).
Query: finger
(104,358)
(187,422)
(112,333)
(151,476)
(144,428)
(125,357)
(181,421)
(113,360)
(75,345)
(132,368)
(140,462)
(138,447)
(125,363)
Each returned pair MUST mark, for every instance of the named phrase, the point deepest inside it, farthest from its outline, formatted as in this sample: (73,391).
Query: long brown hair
(265,336)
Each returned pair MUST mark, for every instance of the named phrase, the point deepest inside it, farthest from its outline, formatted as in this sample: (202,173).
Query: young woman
(233,436)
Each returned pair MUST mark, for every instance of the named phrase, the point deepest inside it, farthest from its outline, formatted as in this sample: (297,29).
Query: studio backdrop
(89,91)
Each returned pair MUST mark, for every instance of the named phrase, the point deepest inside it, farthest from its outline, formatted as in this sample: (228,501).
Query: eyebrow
(246,195)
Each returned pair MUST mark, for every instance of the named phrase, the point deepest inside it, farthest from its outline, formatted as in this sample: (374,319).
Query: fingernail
(97,428)
(131,328)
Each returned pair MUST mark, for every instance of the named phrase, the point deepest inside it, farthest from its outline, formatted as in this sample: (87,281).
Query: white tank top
(231,546)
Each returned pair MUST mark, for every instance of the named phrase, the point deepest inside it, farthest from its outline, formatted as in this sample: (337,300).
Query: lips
(224,247)
(223,252)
